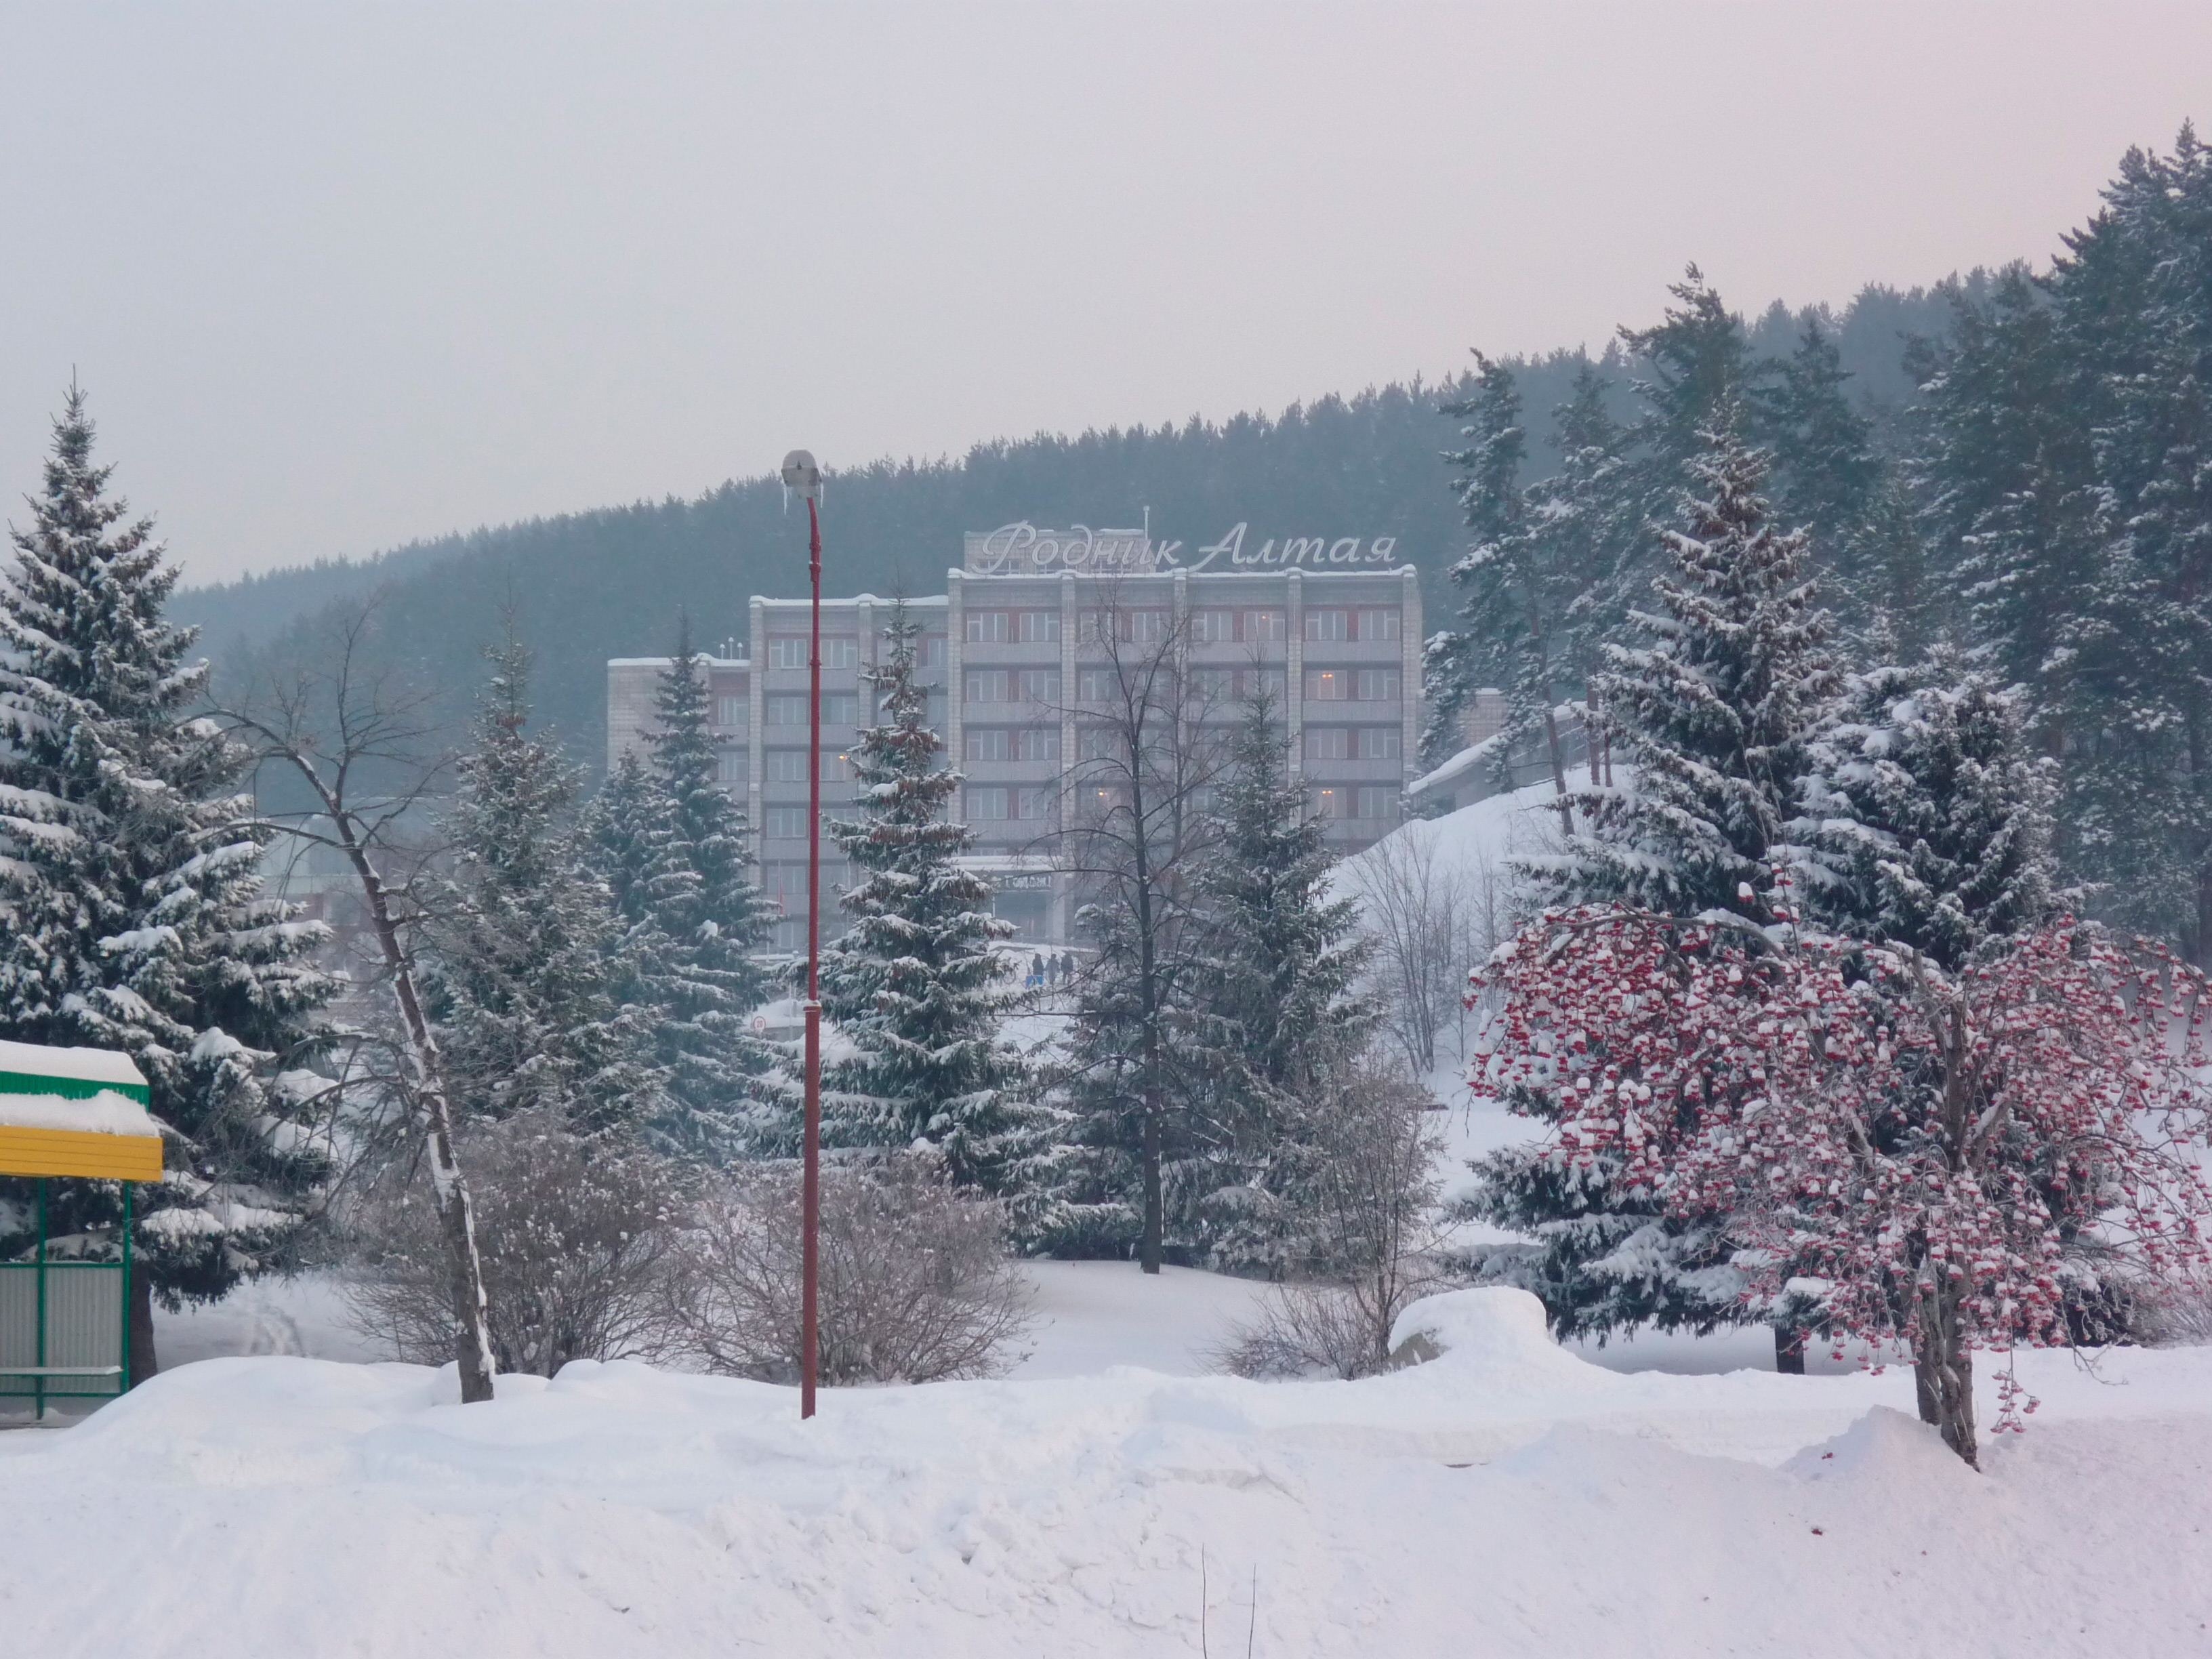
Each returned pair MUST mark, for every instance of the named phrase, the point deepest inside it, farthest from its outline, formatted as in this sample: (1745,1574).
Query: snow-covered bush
(576,1237)
(1363,1211)
(916,1283)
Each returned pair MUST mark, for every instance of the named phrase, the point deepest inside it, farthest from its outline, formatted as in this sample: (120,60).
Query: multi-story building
(1013,651)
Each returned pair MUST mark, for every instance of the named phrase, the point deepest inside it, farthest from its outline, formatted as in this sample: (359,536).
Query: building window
(987,743)
(840,707)
(1378,685)
(1146,626)
(1327,743)
(730,766)
(987,806)
(930,651)
(989,685)
(1212,627)
(1328,624)
(1215,685)
(1378,800)
(1037,685)
(843,651)
(1094,743)
(1206,800)
(787,766)
(784,823)
(1329,804)
(1039,628)
(787,651)
(836,766)
(1380,743)
(1378,624)
(785,708)
(785,881)
(1261,626)
(732,714)
(1038,743)
(987,627)
(1092,626)
(791,935)
(1033,803)
(1328,685)
(1095,685)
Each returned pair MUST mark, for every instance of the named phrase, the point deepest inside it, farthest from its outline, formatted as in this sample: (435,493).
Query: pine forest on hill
(589,586)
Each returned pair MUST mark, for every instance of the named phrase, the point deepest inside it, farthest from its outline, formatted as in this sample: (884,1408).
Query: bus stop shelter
(69,1115)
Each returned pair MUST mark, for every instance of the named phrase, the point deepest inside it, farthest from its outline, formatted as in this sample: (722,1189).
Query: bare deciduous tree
(360,746)
(1135,825)
(916,1283)
(1432,920)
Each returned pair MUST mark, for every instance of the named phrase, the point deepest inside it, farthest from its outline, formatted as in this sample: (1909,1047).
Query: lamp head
(800,473)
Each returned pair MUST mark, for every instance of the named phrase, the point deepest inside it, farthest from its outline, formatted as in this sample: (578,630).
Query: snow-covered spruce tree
(1713,716)
(677,844)
(1273,1016)
(527,1016)
(1927,818)
(131,914)
(914,984)
(1514,624)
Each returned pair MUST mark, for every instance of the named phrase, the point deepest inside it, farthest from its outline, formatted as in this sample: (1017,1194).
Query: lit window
(1262,625)
(1328,685)
(1327,802)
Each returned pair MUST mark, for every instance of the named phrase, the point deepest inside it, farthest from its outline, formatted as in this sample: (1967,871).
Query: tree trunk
(1558,768)
(142,1362)
(1790,1350)
(1943,1374)
(1149,1251)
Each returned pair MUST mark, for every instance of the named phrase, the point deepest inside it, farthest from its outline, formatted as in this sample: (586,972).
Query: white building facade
(1010,651)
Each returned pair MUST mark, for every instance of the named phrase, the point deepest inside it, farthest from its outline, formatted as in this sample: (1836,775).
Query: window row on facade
(1103,686)
(1208,626)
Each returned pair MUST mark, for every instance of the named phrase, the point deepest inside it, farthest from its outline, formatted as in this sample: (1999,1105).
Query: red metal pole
(809,1337)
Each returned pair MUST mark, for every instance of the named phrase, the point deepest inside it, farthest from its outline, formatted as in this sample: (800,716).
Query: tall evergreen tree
(1713,716)
(914,984)
(1514,627)
(1274,1014)
(520,987)
(131,912)
(676,848)
(1927,818)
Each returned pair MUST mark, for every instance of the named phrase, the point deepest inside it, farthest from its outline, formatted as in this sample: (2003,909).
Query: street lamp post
(800,473)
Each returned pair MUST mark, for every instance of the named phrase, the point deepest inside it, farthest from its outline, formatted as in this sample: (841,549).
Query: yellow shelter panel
(80,1152)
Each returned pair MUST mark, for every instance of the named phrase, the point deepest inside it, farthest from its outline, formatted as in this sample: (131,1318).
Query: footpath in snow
(1506,1498)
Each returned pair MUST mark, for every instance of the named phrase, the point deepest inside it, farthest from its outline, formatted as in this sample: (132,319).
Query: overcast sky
(340,275)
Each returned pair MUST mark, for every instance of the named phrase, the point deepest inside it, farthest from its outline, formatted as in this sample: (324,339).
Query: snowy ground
(1507,1499)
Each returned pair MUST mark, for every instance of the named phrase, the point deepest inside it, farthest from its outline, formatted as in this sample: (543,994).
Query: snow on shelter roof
(75,1112)
(32,1068)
